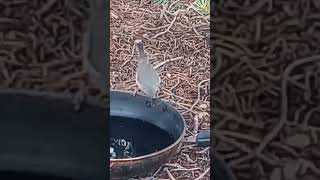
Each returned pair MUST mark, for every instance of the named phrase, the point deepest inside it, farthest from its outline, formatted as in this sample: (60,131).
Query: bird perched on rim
(147,78)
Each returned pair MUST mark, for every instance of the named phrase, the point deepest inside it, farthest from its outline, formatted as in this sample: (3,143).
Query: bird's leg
(156,98)
(154,101)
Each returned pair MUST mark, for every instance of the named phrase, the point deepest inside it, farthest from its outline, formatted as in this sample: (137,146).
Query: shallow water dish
(161,117)
(126,111)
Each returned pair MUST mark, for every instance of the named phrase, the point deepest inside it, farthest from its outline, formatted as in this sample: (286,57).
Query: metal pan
(162,115)
(166,117)
(42,136)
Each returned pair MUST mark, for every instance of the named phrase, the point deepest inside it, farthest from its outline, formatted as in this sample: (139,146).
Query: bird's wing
(147,75)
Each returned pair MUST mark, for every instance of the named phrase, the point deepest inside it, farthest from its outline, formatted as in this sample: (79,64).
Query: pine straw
(42,46)
(267,101)
(177,43)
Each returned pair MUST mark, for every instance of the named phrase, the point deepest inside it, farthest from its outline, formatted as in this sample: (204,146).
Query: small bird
(147,77)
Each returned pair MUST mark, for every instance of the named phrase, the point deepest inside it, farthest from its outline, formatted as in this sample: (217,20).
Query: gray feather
(147,77)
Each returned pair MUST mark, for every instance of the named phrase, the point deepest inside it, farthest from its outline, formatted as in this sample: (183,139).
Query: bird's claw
(152,103)
(135,92)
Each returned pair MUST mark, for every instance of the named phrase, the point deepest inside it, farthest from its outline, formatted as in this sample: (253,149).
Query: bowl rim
(166,149)
(62,96)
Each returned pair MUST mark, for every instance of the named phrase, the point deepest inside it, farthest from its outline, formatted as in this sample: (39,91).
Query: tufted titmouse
(147,77)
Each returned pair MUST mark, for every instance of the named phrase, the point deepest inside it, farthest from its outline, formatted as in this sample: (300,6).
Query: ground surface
(267,94)
(180,43)
(41,46)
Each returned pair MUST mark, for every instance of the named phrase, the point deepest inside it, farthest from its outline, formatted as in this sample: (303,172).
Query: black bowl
(160,115)
(164,116)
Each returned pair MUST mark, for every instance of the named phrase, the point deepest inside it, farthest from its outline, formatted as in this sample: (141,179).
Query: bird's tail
(142,58)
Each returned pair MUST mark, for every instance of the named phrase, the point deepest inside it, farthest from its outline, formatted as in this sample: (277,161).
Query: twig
(238,119)
(284,101)
(199,87)
(157,171)
(203,151)
(172,4)
(203,174)
(168,28)
(191,169)
(169,174)
(45,7)
(309,114)
(240,146)
(256,7)
(167,61)
(156,28)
